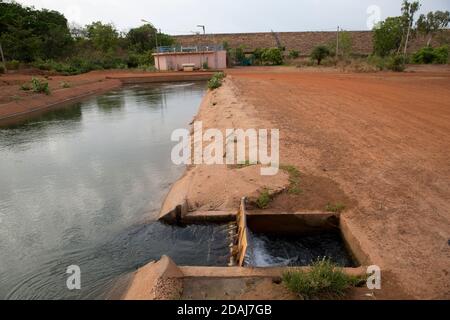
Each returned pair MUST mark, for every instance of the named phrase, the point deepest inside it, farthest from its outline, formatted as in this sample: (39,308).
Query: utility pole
(3,59)
(156,39)
(203,27)
(337,42)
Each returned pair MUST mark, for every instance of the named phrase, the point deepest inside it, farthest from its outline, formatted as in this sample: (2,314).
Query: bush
(237,55)
(428,55)
(133,61)
(12,65)
(323,280)
(425,55)
(216,81)
(40,86)
(273,56)
(396,63)
(377,61)
(294,54)
(441,55)
(2,69)
(319,53)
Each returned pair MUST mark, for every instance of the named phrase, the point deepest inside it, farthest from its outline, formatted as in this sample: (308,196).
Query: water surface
(81,186)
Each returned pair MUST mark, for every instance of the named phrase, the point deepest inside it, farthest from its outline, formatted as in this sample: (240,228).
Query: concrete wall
(302,41)
(174,61)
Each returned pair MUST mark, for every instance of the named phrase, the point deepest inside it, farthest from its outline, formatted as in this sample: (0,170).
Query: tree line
(44,38)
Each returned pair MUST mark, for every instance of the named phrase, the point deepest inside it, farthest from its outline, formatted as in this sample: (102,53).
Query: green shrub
(133,61)
(257,54)
(323,280)
(319,53)
(294,54)
(441,54)
(2,69)
(205,66)
(40,86)
(377,61)
(219,75)
(214,83)
(424,55)
(12,65)
(263,200)
(237,55)
(216,80)
(429,55)
(273,56)
(396,63)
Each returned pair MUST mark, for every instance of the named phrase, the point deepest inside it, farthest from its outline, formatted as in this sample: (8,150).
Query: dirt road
(382,139)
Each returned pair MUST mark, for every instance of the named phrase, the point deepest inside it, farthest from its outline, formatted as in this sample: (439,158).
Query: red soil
(383,139)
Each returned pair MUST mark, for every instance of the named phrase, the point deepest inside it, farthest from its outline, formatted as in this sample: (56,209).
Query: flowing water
(82,185)
(270,250)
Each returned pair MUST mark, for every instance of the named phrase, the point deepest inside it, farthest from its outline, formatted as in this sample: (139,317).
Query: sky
(183,16)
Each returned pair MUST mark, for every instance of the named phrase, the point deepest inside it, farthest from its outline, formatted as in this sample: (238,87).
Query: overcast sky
(182,16)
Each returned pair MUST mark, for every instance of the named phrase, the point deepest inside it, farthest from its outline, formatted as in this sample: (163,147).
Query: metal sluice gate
(238,236)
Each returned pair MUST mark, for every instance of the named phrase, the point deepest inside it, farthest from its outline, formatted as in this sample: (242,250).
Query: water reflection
(65,120)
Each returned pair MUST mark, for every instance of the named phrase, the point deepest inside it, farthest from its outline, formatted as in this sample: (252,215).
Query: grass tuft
(40,86)
(294,179)
(336,208)
(263,200)
(325,280)
(65,84)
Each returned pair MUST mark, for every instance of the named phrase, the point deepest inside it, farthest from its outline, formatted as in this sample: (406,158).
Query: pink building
(174,59)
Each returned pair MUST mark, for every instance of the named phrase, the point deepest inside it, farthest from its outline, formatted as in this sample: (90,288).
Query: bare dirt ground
(378,143)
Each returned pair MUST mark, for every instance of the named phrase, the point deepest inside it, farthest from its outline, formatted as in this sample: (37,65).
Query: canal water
(82,186)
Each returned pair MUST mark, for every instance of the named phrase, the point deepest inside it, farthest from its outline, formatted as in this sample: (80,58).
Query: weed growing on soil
(216,81)
(245,164)
(40,86)
(65,85)
(25,87)
(263,200)
(323,281)
(336,208)
(294,179)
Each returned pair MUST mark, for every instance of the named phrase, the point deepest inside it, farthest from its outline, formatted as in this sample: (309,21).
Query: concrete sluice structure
(165,280)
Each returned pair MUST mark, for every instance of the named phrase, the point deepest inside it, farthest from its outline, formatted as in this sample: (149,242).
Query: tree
(387,36)
(319,53)
(104,37)
(408,12)
(345,44)
(28,34)
(433,22)
(272,56)
(142,39)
